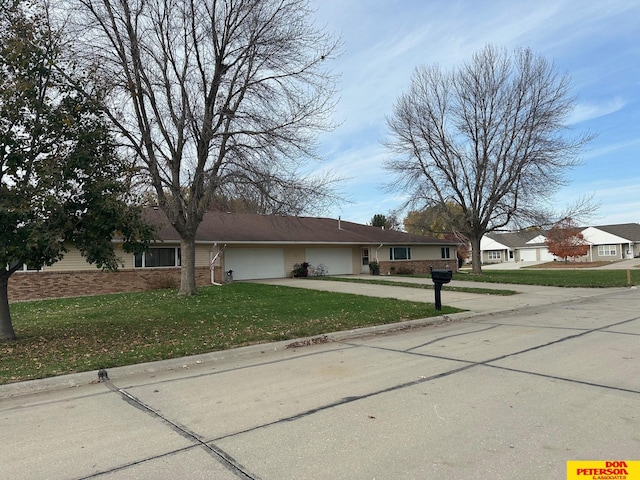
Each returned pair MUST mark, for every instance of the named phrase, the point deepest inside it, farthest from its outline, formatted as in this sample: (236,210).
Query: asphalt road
(510,394)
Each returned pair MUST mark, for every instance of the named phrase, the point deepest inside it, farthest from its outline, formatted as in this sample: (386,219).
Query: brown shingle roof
(246,227)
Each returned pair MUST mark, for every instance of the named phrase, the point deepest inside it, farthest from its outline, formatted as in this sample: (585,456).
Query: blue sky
(597,43)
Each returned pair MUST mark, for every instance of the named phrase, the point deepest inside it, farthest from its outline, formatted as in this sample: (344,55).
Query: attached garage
(339,261)
(546,255)
(528,255)
(539,254)
(254,263)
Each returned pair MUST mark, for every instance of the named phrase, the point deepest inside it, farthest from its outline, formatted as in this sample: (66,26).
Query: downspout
(379,247)
(211,254)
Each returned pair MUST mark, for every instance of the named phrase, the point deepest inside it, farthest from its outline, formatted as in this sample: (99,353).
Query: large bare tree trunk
(6,327)
(476,255)
(188,269)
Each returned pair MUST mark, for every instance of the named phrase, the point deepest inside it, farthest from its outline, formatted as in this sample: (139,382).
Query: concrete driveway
(498,394)
(627,264)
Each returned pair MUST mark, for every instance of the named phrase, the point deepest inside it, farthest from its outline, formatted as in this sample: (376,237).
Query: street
(500,395)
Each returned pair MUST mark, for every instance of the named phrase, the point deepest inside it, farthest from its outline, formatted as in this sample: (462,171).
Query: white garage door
(254,263)
(546,255)
(528,255)
(337,260)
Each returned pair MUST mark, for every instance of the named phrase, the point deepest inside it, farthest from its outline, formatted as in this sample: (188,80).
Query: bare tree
(489,136)
(214,97)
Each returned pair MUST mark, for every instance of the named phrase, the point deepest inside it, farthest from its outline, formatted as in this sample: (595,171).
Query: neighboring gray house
(613,242)
(606,242)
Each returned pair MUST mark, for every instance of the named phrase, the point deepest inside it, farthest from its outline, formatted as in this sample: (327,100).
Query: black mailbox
(441,276)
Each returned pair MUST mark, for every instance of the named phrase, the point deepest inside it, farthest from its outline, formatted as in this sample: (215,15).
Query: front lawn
(88,333)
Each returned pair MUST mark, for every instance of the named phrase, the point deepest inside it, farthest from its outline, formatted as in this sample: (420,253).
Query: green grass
(88,333)
(556,277)
(426,286)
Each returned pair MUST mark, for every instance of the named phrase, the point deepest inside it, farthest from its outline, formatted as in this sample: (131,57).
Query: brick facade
(40,285)
(422,267)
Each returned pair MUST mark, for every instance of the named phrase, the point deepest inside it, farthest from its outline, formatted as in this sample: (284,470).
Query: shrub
(374,268)
(404,271)
(301,270)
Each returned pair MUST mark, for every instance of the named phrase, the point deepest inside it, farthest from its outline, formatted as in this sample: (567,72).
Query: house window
(445,252)
(400,253)
(159,257)
(606,250)
(26,268)
(494,255)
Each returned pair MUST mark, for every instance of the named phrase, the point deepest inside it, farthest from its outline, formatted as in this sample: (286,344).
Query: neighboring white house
(606,242)
(613,242)
(535,250)
(524,246)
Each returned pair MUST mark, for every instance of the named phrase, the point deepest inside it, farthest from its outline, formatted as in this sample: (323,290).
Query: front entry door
(365,261)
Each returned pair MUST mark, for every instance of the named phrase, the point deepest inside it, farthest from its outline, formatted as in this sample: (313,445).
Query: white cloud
(589,111)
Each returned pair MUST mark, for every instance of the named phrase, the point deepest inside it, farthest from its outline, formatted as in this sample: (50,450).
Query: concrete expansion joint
(219,455)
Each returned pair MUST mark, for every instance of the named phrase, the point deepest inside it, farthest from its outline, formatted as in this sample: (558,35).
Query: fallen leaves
(309,341)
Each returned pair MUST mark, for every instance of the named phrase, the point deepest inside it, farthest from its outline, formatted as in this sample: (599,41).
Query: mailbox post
(440,277)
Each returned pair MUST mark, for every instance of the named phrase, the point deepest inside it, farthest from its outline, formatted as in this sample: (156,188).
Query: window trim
(392,252)
(491,255)
(607,250)
(139,261)
(445,253)
(25,268)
